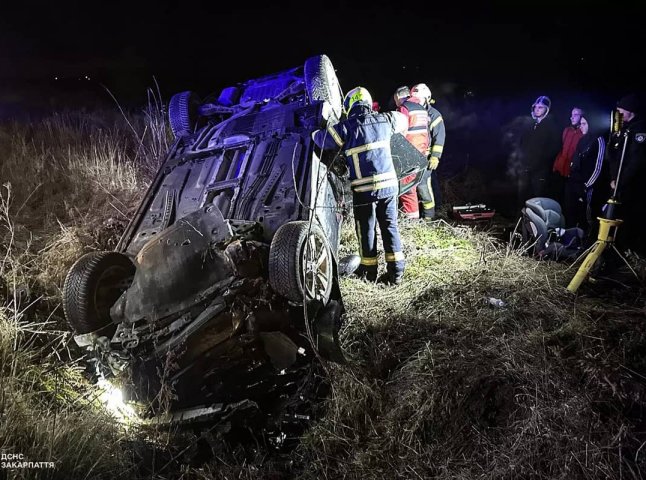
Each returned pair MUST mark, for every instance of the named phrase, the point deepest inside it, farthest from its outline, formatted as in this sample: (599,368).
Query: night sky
(485,66)
(494,52)
(204,46)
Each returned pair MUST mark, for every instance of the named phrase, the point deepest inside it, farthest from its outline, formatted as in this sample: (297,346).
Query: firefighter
(364,137)
(429,188)
(417,134)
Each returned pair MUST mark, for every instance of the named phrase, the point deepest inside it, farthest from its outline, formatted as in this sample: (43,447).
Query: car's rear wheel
(91,287)
(300,263)
(183,113)
(322,83)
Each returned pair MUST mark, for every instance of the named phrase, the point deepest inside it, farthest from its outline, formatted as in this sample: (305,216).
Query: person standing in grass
(538,148)
(561,168)
(417,134)
(364,137)
(429,188)
(632,179)
(583,172)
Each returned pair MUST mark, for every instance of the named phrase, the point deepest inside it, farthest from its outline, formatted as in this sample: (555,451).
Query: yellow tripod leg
(603,240)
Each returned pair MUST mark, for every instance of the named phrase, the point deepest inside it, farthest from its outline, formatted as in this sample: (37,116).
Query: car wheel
(91,287)
(322,83)
(182,113)
(300,263)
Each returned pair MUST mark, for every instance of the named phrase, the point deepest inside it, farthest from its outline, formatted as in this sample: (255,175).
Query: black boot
(391,278)
(366,273)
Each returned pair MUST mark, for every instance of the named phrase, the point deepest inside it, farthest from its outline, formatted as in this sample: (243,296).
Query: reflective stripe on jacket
(437,131)
(365,139)
(418,124)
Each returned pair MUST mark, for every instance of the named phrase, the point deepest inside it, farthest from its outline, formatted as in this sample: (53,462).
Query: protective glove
(433,162)
(327,112)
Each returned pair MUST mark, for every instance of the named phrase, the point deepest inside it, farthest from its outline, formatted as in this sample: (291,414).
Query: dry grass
(48,410)
(67,185)
(72,182)
(443,385)
(440,384)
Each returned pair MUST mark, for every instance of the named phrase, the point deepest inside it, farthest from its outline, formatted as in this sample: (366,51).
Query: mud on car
(224,284)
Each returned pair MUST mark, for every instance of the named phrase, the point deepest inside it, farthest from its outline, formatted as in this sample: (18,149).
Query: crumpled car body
(225,281)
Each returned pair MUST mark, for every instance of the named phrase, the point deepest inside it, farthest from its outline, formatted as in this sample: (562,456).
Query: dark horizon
(485,67)
(198,46)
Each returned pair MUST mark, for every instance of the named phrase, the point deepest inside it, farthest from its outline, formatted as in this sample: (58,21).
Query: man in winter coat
(539,146)
(629,176)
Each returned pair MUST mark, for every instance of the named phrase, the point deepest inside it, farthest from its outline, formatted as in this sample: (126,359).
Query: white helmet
(422,92)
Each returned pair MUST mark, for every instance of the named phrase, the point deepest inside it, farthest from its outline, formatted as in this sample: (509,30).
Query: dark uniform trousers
(426,189)
(365,137)
(367,216)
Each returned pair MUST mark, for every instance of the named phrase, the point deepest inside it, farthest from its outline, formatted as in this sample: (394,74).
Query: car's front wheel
(300,263)
(91,287)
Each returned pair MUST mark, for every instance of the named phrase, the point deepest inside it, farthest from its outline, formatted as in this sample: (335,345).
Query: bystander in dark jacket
(584,171)
(627,159)
(538,148)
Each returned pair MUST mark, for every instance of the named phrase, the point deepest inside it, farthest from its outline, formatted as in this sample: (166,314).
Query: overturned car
(224,285)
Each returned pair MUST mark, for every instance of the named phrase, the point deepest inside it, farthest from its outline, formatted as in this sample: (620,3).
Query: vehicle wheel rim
(317,268)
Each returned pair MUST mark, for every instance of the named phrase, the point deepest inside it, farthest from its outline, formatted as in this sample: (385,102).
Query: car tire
(300,263)
(183,113)
(322,83)
(91,287)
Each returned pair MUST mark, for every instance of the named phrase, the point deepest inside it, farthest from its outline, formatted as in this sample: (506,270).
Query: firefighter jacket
(633,169)
(437,132)
(418,124)
(364,138)
(570,138)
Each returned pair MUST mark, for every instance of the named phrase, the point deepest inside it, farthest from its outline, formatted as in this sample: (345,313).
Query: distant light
(404,67)
(55,78)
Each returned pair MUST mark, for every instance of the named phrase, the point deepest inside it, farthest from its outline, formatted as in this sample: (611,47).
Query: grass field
(439,383)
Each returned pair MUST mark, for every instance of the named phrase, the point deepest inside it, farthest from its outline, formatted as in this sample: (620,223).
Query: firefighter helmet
(355,96)
(401,94)
(422,92)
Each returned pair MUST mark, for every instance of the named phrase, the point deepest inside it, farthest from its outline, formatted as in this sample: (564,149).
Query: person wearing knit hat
(629,175)
(538,148)
(629,103)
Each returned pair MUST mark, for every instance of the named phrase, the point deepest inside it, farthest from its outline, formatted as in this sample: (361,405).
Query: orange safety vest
(418,122)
